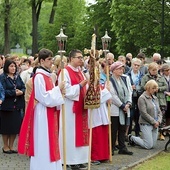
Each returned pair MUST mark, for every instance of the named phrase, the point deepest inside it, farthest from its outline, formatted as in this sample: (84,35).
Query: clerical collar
(45,69)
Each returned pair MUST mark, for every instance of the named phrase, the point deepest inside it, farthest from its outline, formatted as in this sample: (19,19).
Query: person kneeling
(150,117)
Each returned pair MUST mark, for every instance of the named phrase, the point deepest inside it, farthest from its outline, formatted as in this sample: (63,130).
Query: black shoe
(82,167)
(75,167)
(105,161)
(115,148)
(14,151)
(7,152)
(131,142)
(95,162)
(125,152)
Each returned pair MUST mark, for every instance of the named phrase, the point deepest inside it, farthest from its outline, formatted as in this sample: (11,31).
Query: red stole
(58,73)
(81,116)
(26,135)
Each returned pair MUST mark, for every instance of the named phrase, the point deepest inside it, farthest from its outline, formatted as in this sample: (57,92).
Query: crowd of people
(34,89)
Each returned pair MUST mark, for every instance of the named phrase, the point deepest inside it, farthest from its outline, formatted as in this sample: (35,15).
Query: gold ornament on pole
(92,99)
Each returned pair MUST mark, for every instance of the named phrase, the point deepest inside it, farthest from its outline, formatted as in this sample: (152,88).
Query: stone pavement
(120,162)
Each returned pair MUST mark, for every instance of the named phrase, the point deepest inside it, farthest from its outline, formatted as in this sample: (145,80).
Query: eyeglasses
(79,57)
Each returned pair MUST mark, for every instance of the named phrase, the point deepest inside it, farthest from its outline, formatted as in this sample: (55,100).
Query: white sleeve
(72,91)
(50,98)
(105,95)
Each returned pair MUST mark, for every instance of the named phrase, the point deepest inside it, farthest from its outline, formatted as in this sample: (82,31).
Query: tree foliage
(133,25)
(98,17)
(137,25)
(69,15)
(18,25)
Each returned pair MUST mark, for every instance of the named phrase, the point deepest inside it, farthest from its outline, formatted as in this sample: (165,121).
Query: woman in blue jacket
(11,106)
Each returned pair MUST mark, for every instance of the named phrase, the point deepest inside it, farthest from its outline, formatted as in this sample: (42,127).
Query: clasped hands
(18,92)
(156,125)
(127,106)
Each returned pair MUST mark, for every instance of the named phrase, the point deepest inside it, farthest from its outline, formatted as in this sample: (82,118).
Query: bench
(166,130)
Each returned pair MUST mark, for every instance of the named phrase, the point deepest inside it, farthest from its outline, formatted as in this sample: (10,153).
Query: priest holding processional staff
(73,129)
(76,119)
(77,100)
(96,101)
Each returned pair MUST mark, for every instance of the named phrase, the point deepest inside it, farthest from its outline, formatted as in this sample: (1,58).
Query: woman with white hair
(156,57)
(135,76)
(150,117)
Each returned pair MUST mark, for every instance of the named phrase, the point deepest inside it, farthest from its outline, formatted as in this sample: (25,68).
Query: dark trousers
(118,130)
(163,110)
(134,115)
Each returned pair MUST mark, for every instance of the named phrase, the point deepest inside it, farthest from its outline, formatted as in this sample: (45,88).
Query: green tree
(17,25)
(7,9)
(69,14)
(36,8)
(98,17)
(52,15)
(20,24)
(137,25)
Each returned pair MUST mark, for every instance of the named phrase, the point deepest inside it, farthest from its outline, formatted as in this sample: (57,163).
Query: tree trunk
(35,17)
(6,28)
(51,20)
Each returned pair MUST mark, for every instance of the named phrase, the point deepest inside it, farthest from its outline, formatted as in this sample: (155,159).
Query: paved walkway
(120,162)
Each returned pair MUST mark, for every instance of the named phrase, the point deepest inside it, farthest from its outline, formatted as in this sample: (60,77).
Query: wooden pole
(93,47)
(61,39)
(109,116)
(90,141)
(63,117)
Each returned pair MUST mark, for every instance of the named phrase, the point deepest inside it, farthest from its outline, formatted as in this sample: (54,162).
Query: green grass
(159,162)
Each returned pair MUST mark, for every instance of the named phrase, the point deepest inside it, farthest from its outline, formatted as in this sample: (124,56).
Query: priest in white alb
(76,122)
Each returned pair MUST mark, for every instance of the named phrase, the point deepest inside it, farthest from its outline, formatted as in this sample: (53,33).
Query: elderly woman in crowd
(135,76)
(120,106)
(150,117)
(162,87)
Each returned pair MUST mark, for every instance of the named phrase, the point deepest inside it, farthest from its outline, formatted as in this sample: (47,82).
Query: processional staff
(92,98)
(61,39)
(105,44)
